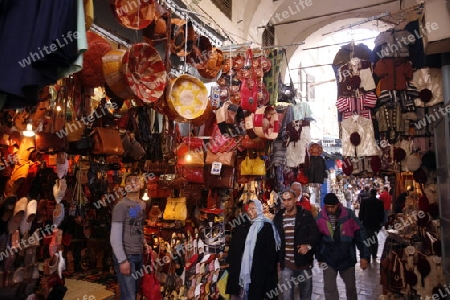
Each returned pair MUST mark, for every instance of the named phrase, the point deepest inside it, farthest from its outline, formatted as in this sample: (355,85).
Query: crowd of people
(267,254)
(296,237)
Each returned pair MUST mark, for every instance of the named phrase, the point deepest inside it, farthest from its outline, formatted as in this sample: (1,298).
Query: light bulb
(58,108)
(188,157)
(145,197)
(29,132)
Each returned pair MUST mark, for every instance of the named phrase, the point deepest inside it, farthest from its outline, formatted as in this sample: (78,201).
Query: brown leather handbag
(51,142)
(107,141)
(224,180)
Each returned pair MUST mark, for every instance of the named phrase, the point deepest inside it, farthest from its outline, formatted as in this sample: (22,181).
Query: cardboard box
(435,25)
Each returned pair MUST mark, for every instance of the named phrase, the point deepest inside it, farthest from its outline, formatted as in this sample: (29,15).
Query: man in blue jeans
(299,234)
(127,238)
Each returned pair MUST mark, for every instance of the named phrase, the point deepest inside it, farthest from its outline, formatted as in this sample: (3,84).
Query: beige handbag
(226,158)
(176,209)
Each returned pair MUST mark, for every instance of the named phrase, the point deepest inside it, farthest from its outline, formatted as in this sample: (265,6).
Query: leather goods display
(226,158)
(106,141)
(112,70)
(154,189)
(249,143)
(175,209)
(190,152)
(187,97)
(253,166)
(192,174)
(145,72)
(249,94)
(133,16)
(51,142)
(265,122)
(224,180)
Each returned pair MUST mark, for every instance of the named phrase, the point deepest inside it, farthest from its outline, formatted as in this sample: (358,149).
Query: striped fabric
(288,226)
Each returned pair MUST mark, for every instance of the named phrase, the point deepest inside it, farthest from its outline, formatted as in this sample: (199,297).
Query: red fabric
(393,73)
(304,203)
(387,200)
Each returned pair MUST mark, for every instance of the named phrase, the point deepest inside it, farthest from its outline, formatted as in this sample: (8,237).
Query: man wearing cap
(299,235)
(301,200)
(340,231)
(127,238)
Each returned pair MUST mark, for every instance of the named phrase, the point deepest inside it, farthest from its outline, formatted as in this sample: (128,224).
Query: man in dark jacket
(371,215)
(299,235)
(340,231)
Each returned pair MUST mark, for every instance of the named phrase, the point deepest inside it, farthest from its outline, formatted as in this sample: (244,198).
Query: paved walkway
(367,281)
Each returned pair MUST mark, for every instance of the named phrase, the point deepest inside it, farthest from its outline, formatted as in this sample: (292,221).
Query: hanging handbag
(107,141)
(286,93)
(224,180)
(151,288)
(226,158)
(175,209)
(192,174)
(253,167)
(74,128)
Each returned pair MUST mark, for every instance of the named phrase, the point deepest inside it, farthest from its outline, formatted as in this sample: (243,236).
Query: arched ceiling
(295,20)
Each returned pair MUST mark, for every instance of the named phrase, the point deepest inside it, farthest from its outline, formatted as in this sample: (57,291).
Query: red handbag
(150,284)
(192,174)
(224,180)
(249,94)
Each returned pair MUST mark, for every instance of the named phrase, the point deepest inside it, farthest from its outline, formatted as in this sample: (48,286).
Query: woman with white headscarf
(258,277)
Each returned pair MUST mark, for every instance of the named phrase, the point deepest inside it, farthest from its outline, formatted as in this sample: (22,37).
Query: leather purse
(226,158)
(107,141)
(51,142)
(176,209)
(253,167)
(224,180)
(154,189)
(192,174)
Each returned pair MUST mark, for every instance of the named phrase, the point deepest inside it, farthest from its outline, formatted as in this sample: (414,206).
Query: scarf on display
(250,242)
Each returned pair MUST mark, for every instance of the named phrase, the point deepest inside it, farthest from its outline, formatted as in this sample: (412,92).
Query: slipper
(28,218)
(58,214)
(42,211)
(19,211)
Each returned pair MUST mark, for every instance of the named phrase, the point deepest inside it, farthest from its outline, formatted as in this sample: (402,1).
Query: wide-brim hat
(212,65)
(375,163)
(92,73)
(133,16)
(145,72)
(420,176)
(264,63)
(399,154)
(426,95)
(355,138)
(112,69)
(187,97)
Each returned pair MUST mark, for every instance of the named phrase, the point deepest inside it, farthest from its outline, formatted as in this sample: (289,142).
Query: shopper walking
(348,196)
(234,257)
(299,236)
(340,232)
(258,275)
(299,197)
(371,216)
(386,197)
(127,238)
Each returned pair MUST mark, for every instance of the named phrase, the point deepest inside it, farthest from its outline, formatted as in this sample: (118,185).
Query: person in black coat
(299,235)
(371,215)
(258,277)
(236,249)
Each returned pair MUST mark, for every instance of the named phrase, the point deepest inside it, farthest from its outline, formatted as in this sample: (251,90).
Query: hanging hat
(420,176)
(399,154)
(375,163)
(145,72)
(112,70)
(413,162)
(92,73)
(429,160)
(355,138)
(133,16)
(347,167)
(426,95)
(331,199)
